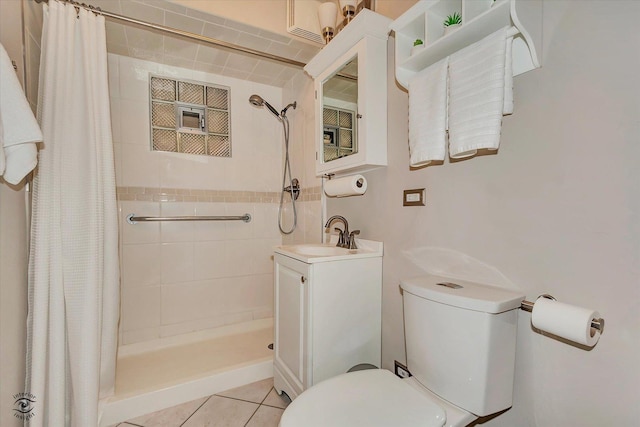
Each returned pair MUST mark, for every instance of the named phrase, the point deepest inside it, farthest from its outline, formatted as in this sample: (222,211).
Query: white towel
(428,114)
(20,130)
(479,95)
(508,78)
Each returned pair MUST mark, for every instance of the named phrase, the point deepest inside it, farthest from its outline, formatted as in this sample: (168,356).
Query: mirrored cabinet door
(350,78)
(339,113)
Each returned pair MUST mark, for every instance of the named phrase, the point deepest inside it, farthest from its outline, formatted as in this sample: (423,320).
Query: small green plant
(453,19)
(418,42)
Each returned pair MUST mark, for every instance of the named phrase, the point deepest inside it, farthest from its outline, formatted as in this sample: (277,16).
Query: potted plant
(452,23)
(418,45)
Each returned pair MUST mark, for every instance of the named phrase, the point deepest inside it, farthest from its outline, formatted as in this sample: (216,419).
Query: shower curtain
(73,264)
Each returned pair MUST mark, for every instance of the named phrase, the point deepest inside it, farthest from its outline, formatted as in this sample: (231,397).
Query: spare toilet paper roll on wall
(566,321)
(354,185)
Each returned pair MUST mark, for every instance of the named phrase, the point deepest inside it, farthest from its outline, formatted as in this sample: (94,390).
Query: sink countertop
(325,252)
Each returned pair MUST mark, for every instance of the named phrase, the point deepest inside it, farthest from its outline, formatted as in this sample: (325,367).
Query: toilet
(460,343)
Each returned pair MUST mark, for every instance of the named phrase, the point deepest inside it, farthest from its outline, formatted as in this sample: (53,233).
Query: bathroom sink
(318,252)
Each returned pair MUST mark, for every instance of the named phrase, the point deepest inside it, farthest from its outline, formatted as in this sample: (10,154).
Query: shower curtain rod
(181,33)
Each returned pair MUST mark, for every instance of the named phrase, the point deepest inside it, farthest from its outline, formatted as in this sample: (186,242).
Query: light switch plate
(413,197)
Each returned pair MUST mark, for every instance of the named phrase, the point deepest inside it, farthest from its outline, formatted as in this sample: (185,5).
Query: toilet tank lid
(462,293)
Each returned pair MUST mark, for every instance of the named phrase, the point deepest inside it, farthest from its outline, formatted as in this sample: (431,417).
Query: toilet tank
(461,340)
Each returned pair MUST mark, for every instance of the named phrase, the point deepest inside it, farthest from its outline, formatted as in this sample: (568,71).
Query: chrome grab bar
(133,219)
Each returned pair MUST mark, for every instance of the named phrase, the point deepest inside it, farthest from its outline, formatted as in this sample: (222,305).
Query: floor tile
(274,399)
(169,417)
(266,416)
(254,392)
(222,412)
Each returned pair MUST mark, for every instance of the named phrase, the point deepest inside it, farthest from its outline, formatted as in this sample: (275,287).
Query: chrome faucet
(345,239)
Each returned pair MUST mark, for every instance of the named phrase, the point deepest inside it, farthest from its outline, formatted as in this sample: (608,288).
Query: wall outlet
(413,197)
(401,370)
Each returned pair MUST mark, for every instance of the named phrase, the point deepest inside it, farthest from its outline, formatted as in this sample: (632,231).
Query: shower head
(257,101)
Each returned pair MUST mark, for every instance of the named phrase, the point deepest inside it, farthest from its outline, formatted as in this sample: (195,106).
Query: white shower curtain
(73,265)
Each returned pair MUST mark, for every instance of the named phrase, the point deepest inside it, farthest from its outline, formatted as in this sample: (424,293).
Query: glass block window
(190,117)
(339,133)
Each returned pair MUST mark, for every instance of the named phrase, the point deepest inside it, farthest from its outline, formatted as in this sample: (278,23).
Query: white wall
(270,15)
(556,210)
(302,155)
(183,277)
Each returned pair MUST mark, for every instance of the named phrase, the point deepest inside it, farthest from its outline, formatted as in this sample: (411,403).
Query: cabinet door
(290,295)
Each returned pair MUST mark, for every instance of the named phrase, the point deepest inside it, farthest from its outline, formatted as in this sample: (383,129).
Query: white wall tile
(180,48)
(211,260)
(140,308)
(265,220)
(134,122)
(263,313)
(210,230)
(313,227)
(239,256)
(113,69)
(177,262)
(139,335)
(134,77)
(195,300)
(141,232)
(240,229)
(182,22)
(114,109)
(141,265)
(117,161)
(211,322)
(177,231)
(140,166)
(250,292)
(261,251)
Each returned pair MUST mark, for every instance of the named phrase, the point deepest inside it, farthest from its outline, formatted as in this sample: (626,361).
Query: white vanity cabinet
(327,316)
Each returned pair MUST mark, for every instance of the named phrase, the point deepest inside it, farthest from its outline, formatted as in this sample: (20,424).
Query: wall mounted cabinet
(480,18)
(350,75)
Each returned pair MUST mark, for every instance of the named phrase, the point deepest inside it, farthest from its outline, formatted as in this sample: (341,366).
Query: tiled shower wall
(183,277)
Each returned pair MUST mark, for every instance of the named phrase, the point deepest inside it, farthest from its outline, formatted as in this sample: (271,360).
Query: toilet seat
(372,398)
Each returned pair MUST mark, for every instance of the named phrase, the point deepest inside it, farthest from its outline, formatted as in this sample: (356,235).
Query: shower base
(162,373)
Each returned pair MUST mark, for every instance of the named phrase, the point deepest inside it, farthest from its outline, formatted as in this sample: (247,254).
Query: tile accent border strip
(150,194)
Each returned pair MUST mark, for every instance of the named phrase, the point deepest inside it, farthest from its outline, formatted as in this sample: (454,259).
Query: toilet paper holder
(528,306)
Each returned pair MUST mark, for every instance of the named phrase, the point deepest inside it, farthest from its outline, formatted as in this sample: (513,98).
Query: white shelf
(479,19)
(366,24)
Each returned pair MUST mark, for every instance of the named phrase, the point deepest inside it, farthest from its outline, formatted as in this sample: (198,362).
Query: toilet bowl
(460,343)
(372,398)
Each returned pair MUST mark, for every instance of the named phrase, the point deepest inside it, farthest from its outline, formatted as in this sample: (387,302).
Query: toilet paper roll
(354,185)
(566,321)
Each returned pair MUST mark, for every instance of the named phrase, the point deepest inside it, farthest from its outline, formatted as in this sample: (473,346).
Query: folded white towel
(477,87)
(20,130)
(428,114)
(508,78)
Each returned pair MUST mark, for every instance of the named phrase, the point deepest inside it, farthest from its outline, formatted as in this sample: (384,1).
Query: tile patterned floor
(253,405)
